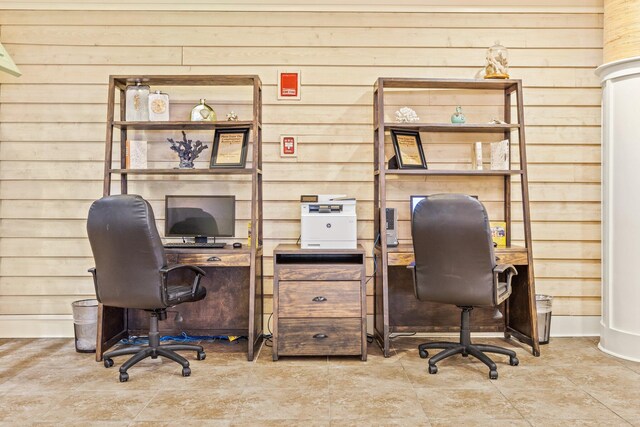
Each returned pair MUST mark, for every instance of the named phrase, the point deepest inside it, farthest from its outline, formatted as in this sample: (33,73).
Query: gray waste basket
(543,307)
(85,324)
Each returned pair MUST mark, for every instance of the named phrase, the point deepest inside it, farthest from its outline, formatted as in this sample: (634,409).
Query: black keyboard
(195,245)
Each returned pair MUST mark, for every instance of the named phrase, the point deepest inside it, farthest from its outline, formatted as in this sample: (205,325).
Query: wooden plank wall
(52,126)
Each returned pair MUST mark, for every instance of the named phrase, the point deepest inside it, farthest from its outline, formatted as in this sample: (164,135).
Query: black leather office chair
(131,272)
(455,264)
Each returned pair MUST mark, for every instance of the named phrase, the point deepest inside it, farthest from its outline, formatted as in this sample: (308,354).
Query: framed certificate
(408,148)
(229,148)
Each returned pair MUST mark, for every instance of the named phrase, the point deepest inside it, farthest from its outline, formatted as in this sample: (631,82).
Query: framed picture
(229,148)
(408,148)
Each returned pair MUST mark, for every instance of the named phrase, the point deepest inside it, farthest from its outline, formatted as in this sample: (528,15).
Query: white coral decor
(406,115)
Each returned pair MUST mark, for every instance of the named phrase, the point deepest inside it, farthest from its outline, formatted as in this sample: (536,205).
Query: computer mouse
(237,245)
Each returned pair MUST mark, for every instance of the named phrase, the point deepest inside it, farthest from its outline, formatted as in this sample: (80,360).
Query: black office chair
(455,264)
(132,272)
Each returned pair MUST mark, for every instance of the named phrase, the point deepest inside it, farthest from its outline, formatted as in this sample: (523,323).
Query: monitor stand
(202,240)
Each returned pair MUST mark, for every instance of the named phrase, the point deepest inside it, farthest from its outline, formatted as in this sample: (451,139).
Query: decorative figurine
(232,116)
(187,150)
(458,117)
(203,113)
(158,107)
(137,98)
(497,66)
(497,122)
(406,115)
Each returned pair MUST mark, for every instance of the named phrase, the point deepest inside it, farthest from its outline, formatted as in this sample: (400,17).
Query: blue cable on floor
(183,337)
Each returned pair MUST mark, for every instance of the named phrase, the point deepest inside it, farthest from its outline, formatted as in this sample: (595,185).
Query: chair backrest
(453,251)
(128,252)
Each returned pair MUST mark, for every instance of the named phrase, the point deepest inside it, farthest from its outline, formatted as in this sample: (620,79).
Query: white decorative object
(620,328)
(406,115)
(136,156)
(232,116)
(497,122)
(500,155)
(476,155)
(497,66)
(158,107)
(137,103)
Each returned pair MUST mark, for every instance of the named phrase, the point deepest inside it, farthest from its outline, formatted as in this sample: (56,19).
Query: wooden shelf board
(189,80)
(182,125)
(450,172)
(221,171)
(450,127)
(416,83)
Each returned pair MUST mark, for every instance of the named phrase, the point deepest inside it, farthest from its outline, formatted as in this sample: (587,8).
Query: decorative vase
(137,103)
(497,66)
(186,164)
(158,107)
(203,113)
(458,117)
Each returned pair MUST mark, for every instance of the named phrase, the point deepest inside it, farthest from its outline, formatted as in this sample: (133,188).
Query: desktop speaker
(392,227)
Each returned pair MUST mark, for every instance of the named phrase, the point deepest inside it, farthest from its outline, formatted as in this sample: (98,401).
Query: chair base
(466,348)
(153,350)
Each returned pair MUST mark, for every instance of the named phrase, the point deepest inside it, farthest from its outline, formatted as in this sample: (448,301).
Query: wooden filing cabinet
(319,306)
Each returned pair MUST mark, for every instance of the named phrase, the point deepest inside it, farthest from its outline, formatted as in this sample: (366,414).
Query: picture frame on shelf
(229,148)
(408,149)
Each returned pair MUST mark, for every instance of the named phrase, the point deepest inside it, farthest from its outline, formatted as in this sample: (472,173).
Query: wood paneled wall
(52,126)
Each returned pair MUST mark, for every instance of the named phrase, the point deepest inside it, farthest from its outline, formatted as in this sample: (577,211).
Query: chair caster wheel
(493,375)
(201,355)
(186,372)
(124,377)
(423,354)
(513,361)
(107,362)
(433,369)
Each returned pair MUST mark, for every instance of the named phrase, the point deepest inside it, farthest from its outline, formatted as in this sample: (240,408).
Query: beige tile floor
(45,382)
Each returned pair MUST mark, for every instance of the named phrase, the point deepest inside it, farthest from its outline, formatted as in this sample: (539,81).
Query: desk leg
(112,327)
(521,312)
(381,309)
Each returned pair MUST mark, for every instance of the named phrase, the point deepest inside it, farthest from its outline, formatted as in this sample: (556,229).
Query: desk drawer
(308,337)
(319,299)
(320,272)
(215,260)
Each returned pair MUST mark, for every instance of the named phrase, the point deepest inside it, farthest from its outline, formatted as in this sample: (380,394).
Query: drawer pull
(320,336)
(213,258)
(319,299)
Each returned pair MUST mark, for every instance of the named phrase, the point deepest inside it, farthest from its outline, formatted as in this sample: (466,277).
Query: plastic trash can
(543,307)
(85,324)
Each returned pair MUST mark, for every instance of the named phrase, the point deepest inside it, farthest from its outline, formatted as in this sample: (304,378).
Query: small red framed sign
(288,146)
(289,85)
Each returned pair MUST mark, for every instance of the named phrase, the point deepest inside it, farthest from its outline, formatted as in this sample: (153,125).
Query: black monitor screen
(190,216)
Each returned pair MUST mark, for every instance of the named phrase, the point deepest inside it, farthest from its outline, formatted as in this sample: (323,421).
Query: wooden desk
(397,309)
(233,305)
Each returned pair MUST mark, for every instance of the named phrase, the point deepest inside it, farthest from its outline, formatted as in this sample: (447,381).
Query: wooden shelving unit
(396,309)
(243,288)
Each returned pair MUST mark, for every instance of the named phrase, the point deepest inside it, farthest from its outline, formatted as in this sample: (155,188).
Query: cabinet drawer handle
(213,258)
(319,299)
(320,336)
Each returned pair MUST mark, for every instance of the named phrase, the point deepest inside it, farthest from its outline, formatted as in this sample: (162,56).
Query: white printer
(328,222)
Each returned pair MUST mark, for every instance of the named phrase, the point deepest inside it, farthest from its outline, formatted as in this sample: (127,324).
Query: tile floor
(45,382)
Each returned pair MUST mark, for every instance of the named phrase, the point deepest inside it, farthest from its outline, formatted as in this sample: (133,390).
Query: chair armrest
(171,267)
(164,273)
(498,270)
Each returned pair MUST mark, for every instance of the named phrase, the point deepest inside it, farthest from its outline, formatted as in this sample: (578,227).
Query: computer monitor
(200,216)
